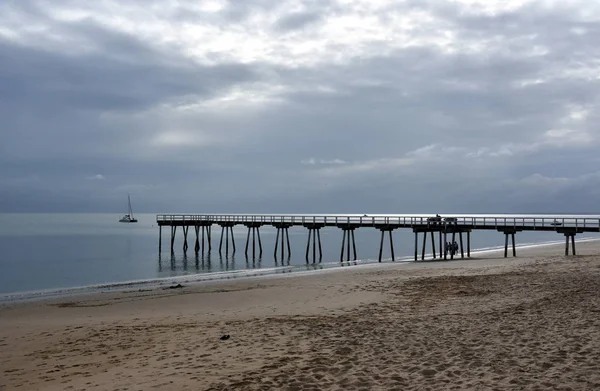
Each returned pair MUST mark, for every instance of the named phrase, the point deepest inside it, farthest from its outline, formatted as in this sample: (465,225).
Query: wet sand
(528,323)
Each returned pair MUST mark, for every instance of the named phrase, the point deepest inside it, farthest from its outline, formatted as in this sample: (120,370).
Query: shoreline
(248,274)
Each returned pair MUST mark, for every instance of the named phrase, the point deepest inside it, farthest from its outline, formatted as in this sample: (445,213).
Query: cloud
(221,100)
(312,161)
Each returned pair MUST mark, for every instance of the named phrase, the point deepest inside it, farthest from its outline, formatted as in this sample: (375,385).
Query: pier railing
(421,225)
(586,223)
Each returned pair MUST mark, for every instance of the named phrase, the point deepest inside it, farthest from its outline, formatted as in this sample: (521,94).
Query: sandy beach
(526,323)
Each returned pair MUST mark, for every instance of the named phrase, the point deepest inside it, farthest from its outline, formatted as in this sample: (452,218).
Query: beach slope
(488,323)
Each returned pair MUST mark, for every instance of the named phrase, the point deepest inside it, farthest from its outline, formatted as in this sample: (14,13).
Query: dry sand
(530,323)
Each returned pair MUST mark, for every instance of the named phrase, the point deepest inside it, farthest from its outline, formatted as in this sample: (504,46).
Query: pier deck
(568,225)
(583,223)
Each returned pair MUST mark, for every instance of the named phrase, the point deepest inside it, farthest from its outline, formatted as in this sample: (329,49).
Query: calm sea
(51,251)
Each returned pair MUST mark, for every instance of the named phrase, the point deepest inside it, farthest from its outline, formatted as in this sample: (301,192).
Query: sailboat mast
(129,202)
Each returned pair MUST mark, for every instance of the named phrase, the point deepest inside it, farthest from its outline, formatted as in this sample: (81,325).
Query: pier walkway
(447,228)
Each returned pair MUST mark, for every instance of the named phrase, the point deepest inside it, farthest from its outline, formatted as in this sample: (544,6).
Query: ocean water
(52,251)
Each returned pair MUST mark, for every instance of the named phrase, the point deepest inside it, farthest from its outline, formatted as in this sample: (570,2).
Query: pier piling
(247,241)
(569,236)
(510,232)
(452,243)
(259,241)
(424,245)
(159,239)
(416,246)
(185,233)
(173,232)
(226,241)
(205,236)
(446,249)
(347,242)
(314,231)
(226,230)
(254,229)
(209,237)
(426,231)
(389,230)
(514,247)
(221,241)
(469,244)
(283,231)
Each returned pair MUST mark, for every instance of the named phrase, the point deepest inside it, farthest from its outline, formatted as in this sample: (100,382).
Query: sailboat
(128,218)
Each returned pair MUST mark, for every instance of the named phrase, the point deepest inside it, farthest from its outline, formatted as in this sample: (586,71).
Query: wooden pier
(448,228)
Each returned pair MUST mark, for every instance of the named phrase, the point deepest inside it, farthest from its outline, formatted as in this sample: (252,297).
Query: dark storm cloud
(51,101)
(101,81)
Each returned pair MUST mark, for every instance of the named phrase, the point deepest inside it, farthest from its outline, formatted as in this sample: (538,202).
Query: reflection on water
(204,263)
(254,263)
(282,262)
(184,264)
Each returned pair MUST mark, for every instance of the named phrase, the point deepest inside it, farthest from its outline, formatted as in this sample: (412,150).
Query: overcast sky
(341,106)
